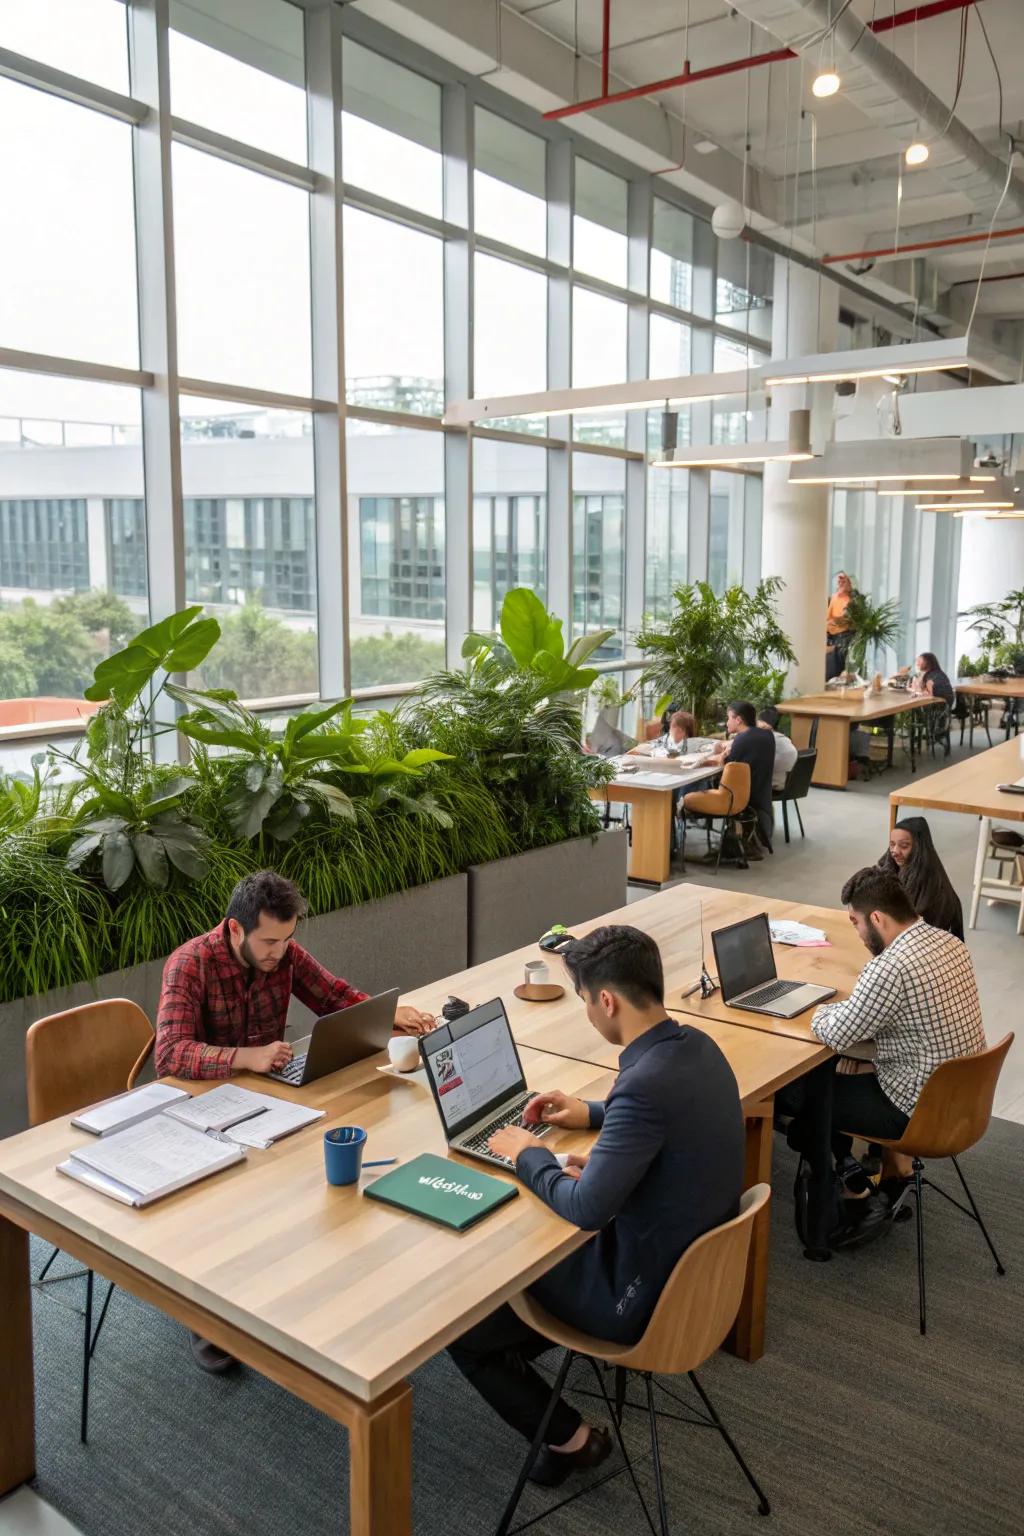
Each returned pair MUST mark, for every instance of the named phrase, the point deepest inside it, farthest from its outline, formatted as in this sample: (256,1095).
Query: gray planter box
(401,941)
(513,901)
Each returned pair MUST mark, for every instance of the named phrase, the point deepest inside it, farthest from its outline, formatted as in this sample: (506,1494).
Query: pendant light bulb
(826,83)
(916,153)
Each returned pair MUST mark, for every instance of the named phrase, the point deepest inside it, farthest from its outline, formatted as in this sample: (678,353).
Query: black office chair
(798,782)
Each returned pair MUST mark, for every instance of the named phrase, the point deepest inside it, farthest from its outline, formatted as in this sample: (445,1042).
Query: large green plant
(695,657)
(873,626)
(129,818)
(1000,624)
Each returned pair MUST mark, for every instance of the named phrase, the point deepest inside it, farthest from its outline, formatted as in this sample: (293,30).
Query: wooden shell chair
(729,802)
(695,1311)
(73,1059)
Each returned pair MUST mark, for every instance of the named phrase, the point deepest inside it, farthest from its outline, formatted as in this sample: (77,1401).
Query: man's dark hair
(770,716)
(620,958)
(874,890)
(745,711)
(265,891)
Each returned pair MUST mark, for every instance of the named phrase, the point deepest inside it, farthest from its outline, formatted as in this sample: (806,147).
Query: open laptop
(339,1039)
(747,974)
(476,1077)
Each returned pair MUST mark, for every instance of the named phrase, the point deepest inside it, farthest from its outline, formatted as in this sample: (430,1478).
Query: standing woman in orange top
(837,627)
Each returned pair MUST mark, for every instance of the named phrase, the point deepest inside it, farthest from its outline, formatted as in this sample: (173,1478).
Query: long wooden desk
(651,839)
(991,687)
(835,715)
(969,787)
(333,1297)
(323,1292)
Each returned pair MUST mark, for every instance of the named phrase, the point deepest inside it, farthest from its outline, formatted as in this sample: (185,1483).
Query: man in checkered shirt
(916,1000)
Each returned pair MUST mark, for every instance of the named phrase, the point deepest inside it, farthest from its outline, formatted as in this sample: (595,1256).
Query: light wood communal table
(651,817)
(834,715)
(970,788)
(992,688)
(762,1061)
(333,1297)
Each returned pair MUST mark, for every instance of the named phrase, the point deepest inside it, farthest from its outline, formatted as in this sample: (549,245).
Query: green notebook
(442,1191)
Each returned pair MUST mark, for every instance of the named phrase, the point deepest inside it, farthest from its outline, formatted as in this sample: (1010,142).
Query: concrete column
(795,520)
(96,532)
(991,564)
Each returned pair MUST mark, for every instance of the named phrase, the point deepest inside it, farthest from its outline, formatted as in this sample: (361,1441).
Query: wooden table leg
(17,1396)
(380,1477)
(747,1336)
(650,854)
(894,812)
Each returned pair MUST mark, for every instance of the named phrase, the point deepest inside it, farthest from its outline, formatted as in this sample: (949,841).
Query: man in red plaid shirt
(224,1001)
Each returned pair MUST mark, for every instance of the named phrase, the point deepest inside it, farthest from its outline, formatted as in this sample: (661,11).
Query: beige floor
(846,830)
(23,1513)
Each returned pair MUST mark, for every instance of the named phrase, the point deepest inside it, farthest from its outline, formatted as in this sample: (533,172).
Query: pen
(381,1162)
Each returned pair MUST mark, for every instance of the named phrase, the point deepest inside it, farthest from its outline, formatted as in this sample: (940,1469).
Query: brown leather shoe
(208,1357)
(553,1467)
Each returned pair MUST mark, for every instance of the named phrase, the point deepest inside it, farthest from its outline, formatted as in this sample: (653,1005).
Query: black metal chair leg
(918,1193)
(620,1392)
(785,819)
(46,1267)
(796,807)
(616,1425)
(763,1507)
(86,1354)
(538,1440)
(977,1216)
(103,1313)
(659,1485)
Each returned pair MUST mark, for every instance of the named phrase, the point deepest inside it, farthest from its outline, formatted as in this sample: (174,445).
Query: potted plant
(711,644)
(873,626)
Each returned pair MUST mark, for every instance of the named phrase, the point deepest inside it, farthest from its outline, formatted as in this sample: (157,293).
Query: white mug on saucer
(535,973)
(404,1052)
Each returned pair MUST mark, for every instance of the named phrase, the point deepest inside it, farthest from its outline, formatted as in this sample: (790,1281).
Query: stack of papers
(799,934)
(652,779)
(248,1119)
(150,1160)
(127,1109)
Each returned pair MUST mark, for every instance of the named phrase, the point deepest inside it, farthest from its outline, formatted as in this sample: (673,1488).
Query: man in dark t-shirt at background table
(747,744)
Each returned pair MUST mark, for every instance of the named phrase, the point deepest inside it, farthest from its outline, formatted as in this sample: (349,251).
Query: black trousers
(861,1106)
(494,1356)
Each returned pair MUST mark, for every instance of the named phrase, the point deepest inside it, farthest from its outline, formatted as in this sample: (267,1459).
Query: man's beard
(875,942)
(250,959)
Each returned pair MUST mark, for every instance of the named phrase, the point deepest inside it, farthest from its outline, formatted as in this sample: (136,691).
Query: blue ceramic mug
(343,1153)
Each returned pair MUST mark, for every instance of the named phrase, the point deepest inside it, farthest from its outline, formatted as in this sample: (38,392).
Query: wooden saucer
(539,994)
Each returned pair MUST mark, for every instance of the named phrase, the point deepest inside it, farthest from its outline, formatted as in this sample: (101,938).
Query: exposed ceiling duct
(886,90)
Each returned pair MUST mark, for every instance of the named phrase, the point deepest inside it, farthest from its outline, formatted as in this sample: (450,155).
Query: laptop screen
(743,955)
(473,1065)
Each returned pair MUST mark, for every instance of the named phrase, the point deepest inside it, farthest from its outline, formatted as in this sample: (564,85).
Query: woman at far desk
(912,857)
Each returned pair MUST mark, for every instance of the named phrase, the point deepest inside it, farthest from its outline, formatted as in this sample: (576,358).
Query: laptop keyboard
(292,1073)
(510,1116)
(769,993)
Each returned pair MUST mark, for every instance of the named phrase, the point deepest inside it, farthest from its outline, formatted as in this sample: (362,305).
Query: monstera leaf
(177,644)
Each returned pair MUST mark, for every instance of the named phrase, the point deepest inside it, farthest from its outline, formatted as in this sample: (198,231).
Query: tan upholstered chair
(952,1113)
(695,1311)
(73,1059)
(728,802)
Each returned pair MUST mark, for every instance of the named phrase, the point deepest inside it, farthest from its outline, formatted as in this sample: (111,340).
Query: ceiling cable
(1012,149)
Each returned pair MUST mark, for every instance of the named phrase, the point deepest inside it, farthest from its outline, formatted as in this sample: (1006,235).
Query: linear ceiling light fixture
(889,458)
(995,486)
(965,506)
(894,362)
(637,395)
(721,455)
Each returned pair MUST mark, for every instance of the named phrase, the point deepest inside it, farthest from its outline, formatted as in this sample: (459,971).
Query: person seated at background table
(931,679)
(666,1167)
(681,728)
(225,995)
(912,857)
(785,751)
(747,744)
(837,626)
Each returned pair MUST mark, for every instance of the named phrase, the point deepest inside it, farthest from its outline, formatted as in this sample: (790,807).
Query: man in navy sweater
(666,1167)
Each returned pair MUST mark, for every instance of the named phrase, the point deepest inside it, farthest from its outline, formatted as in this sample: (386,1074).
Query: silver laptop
(747,974)
(339,1039)
(476,1077)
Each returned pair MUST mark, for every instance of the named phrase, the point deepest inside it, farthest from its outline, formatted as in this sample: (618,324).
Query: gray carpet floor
(853,1422)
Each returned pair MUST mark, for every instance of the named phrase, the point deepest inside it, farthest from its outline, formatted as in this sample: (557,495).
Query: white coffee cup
(404,1052)
(535,973)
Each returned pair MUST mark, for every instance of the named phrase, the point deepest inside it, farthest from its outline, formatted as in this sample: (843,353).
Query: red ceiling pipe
(606,39)
(925,245)
(754,61)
